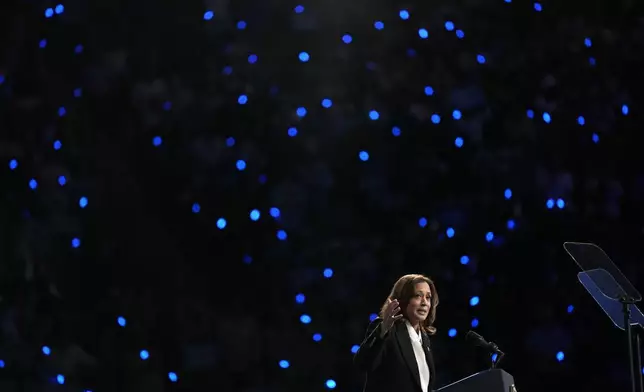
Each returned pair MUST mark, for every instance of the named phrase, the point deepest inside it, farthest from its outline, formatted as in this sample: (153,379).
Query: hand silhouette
(390,316)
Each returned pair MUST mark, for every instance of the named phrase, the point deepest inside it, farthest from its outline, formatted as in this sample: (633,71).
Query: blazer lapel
(430,360)
(404,341)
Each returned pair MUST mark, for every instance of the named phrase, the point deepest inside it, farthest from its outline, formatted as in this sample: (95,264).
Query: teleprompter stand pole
(639,359)
(626,302)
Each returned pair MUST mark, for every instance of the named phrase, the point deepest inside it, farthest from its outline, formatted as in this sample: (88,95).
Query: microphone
(478,340)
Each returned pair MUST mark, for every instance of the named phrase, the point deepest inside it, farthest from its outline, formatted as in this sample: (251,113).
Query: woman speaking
(396,355)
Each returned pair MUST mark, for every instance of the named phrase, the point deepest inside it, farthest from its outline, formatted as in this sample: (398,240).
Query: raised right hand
(390,316)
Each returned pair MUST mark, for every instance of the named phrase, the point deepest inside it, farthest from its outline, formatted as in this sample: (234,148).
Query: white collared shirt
(419,353)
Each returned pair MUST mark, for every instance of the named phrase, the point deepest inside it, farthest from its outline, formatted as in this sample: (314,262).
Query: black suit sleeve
(369,355)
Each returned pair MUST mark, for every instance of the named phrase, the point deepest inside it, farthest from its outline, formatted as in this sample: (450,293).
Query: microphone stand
(499,355)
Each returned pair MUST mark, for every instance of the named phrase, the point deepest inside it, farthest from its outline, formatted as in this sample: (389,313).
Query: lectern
(493,380)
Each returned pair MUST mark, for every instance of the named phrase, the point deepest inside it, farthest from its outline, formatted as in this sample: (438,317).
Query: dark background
(150,128)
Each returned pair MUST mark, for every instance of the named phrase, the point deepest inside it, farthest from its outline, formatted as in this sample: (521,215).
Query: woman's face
(420,304)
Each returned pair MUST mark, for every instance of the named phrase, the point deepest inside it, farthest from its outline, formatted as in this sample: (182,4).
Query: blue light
(460,34)
(13,164)
(57,145)
(364,156)
(373,316)
(144,354)
(281,235)
(59,9)
(452,332)
(2,78)
(581,120)
(76,243)
(172,376)
(537,7)
(374,115)
(588,42)
(242,100)
(422,222)
(241,165)
(43,44)
(422,33)
(595,138)
(592,61)
(46,350)
(355,348)
(157,141)
(60,379)
(450,232)
(449,25)
(252,59)
(546,117)
(304,57)
(395,131)
(475,323)
(347,39)
(474,301)
(489,236)
(284,364)
(49,13)
(33,184)
(305,319)
(511,224)
(327,103)
(429,91)
(480,59)
(82,203)
(330,384)
(625,110)
(530,113)
(78,49)
(62,180)
(275,212)
(254,215)
(508,194)
(121,321)
(62,111)
(570,308)
(229,70)
(230,141)
(301,112)
(550,203)
(300,298)
(436,119)
(208,15)
(196,208)
(328,273)
(404,14)
(465,260)
(247,259)
(561,203)
(241,25)
(457,115)
(560,356)
(379,25)
(317,337)
(78,92)
(221,223)
(299,9)
(495,356)
(2,364)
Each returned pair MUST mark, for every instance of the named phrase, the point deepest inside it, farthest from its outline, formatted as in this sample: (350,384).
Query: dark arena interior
(214,195)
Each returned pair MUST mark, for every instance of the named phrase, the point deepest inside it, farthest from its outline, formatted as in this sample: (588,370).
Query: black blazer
(389,363)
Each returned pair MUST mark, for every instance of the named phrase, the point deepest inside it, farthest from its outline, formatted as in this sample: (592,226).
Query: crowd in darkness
(463,140)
